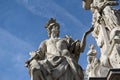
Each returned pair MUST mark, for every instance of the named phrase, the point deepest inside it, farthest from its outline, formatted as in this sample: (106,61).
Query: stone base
(113,74)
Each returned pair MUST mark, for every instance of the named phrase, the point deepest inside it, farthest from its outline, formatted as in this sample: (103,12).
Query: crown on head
(51,21)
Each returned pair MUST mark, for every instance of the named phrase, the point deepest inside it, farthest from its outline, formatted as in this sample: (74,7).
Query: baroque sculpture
(57,58)
(106,23)
(92,61)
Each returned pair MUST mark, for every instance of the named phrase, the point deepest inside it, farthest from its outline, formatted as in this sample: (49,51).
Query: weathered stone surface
(106,23)
(57,58)
(113,74)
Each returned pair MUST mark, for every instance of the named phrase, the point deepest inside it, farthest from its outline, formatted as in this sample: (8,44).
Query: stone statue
(106,23)
(106,20)
(57,58)
(91,54)
(93,61)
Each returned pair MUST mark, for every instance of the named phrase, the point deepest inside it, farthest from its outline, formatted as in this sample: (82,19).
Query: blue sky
(22,29)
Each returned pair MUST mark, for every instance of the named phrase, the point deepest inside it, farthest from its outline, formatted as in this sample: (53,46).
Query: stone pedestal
(113,74)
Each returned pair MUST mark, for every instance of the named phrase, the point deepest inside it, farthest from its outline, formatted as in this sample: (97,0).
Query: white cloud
(47,9)
(13,53)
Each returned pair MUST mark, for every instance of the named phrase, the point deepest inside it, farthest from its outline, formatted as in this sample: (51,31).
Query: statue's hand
(27,63)
(90,30)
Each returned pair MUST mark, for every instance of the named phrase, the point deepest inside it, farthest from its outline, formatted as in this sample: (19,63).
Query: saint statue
(91,54)
(93,61)
(57,58)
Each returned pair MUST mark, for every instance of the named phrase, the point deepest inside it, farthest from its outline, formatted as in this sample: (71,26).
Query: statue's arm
(41,50)
(83,41)
(38,54)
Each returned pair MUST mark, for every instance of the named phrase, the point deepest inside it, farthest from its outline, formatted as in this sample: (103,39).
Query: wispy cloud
(13,53)
(47,9)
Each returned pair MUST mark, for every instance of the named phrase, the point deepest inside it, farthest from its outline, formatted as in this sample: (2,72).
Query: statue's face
(92,46)
(55,31)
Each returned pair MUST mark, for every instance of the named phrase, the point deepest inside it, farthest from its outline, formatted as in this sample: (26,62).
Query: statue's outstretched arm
(83,41)
(38,54)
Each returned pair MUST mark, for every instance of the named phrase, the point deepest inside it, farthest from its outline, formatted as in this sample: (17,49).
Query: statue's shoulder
(44,42)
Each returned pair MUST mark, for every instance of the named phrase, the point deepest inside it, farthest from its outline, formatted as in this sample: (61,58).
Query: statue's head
(91,46)
(52,27)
